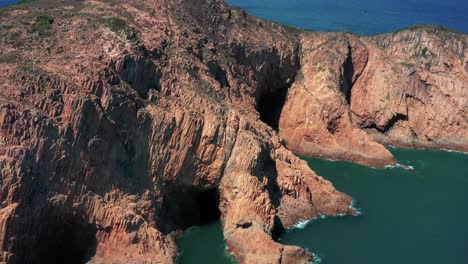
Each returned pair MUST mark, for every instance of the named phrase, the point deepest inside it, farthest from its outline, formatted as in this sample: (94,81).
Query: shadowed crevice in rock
(346,79)
(55,237)
(244,225)
(267,167)
(209,202)
(218,73)
(278,228)
(269,106)
(66,241)
(390,123)
(272,88)
(140,73)
(274,75)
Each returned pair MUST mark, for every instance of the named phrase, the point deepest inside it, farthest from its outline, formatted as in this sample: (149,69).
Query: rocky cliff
(124,121)
(352,95)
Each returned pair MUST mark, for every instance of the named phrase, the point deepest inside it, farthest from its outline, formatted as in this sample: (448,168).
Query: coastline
(173,117)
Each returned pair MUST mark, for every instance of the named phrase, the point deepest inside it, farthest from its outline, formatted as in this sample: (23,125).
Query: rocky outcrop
(316,119)
(292,193)
(353,94)
(419,89)
(122,122)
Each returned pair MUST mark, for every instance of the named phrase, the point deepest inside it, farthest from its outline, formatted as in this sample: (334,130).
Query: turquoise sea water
(203,244)
(408,217)
(364,17)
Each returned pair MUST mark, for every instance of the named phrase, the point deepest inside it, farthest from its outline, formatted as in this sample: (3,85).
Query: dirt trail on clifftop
(123,121)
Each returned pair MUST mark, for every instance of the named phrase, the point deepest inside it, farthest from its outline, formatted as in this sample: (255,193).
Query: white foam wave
(355,208)
(317,259)
(398,165)
(455,151)
(302,224)
(229,255)
(435,149)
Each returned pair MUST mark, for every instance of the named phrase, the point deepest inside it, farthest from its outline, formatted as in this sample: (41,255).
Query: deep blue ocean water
(8,2)
(364,17)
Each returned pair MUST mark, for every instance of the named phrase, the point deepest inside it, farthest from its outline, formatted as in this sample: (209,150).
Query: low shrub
(115,24)
(43,23)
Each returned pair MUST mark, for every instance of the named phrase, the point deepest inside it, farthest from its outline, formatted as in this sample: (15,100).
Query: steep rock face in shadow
(121,122)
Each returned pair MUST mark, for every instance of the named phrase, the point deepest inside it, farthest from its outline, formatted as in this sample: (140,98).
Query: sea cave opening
(273,83)
(269,106)
(209,206)
(189,206)
(65,240)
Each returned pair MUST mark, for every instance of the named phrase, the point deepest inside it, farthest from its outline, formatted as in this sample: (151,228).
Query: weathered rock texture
(353,94)
(123,121)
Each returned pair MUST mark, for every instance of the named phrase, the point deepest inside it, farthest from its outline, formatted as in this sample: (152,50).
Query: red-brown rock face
(416,95)
(123,121)
(316,119)
(353,94)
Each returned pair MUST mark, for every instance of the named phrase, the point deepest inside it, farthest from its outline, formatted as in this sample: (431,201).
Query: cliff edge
(124,121)
(353,94)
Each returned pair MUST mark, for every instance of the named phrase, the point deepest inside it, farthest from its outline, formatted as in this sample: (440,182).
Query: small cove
(408,217)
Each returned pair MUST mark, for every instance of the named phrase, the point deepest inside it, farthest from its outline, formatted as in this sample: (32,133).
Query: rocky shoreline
(122,122)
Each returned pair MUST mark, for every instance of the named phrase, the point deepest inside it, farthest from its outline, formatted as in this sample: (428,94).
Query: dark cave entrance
(270,105)
(66,241)
(273,83)
(209,206)
(53,235)
(188,206)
